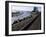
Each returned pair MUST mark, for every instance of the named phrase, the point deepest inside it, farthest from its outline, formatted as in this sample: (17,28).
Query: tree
(35,9)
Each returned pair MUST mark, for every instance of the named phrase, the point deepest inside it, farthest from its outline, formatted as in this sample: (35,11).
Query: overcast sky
(24,8)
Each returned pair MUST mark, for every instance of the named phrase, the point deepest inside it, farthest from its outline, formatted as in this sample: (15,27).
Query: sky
(23,8)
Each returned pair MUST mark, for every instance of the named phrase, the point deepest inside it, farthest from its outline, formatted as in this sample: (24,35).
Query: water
(24,15)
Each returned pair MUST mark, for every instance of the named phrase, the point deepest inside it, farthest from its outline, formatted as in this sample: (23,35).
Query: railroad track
(21,25)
